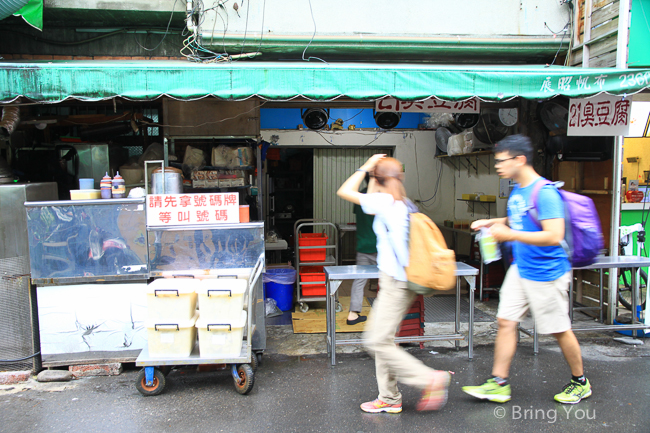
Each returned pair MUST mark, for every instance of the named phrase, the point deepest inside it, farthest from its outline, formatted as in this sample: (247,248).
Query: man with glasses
(538,278)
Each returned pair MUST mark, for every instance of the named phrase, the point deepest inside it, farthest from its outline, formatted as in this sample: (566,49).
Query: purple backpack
(583,237)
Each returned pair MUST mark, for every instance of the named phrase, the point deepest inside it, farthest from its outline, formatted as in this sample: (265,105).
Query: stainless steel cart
(330,259)
(151,380)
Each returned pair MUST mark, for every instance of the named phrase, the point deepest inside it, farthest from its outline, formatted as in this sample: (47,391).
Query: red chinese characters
(156,201)
(185,201)
(215,200)
(170,200)
(200,200)
(602,115)
(202,216)
(165,217)
(221,215)
(621,113)
(184,216)
(231,199)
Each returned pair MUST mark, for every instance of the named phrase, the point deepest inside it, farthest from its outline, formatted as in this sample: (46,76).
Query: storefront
(216,108)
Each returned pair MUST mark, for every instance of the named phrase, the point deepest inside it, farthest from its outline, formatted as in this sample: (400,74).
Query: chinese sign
(602,115)
(430,105)
(188,209)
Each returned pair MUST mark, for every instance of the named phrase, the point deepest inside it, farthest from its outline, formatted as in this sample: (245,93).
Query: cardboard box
(225,183)
(237,182)
(199,183)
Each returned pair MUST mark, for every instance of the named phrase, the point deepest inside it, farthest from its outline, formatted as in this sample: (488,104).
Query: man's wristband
(361,169)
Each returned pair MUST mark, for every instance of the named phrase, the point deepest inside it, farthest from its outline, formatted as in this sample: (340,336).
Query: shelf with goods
(242,171)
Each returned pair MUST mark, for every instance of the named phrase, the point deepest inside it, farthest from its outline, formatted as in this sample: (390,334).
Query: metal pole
(617,175)
(623,33)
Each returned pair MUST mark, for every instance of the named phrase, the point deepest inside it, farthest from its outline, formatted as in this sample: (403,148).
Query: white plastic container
(171,299)
(169,339)
(218,339)
(221,299)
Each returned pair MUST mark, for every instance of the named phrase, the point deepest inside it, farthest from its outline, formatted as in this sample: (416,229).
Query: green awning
(144,80)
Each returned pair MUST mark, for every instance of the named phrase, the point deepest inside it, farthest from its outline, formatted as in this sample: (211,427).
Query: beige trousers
(392,363)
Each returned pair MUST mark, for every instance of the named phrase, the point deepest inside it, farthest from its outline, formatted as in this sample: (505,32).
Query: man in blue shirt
(539,276)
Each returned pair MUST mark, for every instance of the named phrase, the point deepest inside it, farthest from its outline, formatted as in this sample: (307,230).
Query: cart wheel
(339,307)
(246,379)
(304,307)
(158,383)
(259,358)
(254,362)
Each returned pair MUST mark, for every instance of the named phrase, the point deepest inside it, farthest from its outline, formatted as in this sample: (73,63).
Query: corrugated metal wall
(331,168)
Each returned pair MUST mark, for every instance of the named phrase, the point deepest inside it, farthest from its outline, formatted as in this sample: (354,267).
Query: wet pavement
(305,394)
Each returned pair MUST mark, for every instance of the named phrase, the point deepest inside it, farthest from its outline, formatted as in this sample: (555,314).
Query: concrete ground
(305,394)
(296,390)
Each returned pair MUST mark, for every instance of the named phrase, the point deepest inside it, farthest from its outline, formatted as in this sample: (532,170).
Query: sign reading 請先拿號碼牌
(190,209)
(602,115)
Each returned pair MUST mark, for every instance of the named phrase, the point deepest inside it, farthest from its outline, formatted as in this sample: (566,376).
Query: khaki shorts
(548,301)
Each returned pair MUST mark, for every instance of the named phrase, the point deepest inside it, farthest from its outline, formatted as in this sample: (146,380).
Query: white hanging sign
(191,209)
(602,115)
(430,105)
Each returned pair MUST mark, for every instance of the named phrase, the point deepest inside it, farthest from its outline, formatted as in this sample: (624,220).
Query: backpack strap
(533,210)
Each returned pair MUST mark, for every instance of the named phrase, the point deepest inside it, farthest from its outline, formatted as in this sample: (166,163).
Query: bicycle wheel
(625,288)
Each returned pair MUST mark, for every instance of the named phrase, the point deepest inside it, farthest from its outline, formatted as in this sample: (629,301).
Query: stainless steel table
(335,276)
(633,262)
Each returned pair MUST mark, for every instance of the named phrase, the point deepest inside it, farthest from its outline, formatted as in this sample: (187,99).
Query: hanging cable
(135,36)
(312,38)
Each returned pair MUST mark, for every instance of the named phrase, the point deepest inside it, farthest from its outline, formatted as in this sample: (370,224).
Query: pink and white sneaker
(377,406)
(434,396)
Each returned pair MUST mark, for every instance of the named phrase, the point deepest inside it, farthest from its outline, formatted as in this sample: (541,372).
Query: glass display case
(204,248)
(87,241)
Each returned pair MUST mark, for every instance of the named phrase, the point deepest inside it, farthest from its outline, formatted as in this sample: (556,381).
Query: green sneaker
(574,392)
(490,390)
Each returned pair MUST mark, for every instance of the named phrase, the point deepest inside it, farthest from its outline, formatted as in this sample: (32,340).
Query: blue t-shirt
(533,262)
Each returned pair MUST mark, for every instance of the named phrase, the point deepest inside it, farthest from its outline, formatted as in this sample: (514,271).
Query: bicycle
(625,274)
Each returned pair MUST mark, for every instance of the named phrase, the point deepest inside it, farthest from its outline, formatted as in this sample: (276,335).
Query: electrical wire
(245,29)
(363,145)
(312,39)
(135,36)
(262,30)
(20,359)
(154,124)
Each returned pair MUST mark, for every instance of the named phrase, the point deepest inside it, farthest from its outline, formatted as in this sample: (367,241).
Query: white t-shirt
(391,226)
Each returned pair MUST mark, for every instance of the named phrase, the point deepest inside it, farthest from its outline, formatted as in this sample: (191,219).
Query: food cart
(93,260)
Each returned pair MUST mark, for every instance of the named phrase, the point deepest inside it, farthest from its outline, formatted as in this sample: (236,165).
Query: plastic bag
(194,158)
(155,152)
(271,308)
(222,156)
(455,144)
(468,136)
(280,276)
(241,157)
(435,120)
(490,251)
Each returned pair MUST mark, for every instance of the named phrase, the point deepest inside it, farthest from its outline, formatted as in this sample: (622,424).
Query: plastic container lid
(171,324)
(221,287)
(203,323)
(172,286)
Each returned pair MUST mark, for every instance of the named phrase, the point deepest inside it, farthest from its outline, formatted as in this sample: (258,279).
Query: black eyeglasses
(501,161)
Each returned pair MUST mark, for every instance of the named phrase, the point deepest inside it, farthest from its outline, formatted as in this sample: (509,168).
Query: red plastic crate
(312,240)
(312,274)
